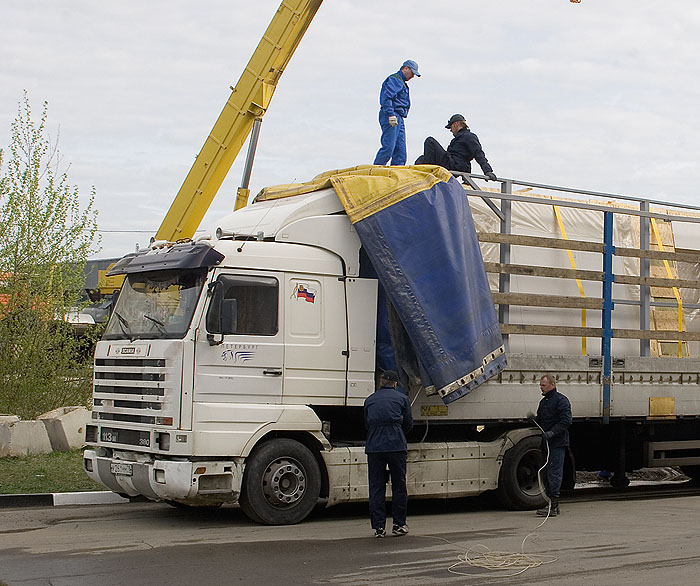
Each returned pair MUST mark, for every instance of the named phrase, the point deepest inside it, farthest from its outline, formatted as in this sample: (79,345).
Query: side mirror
(228,320)
(229,316)
(113,301)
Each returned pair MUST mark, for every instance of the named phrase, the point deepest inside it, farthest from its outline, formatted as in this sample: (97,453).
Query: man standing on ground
(394,103)
(387,419)
(554,417)
(464,147)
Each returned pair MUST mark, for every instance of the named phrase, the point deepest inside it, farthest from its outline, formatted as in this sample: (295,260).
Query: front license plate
(121,468)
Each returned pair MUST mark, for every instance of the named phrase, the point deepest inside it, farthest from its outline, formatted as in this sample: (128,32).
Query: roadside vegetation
(44,473)
(47,231)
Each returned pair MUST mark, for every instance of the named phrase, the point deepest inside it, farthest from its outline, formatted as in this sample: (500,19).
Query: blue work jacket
(394,99)
(388,419)
(554,416)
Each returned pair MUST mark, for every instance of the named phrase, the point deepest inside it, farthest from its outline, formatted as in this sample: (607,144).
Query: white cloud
(597,95)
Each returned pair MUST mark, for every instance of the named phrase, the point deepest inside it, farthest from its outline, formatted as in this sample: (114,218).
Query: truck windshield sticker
(302,291)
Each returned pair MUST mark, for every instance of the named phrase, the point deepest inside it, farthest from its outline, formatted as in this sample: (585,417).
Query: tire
(281,483)
(518,483)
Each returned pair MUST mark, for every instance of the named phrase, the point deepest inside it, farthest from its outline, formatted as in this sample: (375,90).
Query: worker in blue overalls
(394,104)
(387,419)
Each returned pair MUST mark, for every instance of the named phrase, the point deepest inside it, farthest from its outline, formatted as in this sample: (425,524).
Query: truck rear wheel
(518,483)
(281,483)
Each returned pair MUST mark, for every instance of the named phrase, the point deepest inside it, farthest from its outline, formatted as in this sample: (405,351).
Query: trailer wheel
(281,483)
(518,484)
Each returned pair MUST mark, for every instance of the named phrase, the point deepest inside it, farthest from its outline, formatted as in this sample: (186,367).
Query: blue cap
(412,65)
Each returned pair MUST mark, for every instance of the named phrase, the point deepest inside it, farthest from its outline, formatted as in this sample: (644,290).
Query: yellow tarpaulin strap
(557,213)
(366,189)
(676,292)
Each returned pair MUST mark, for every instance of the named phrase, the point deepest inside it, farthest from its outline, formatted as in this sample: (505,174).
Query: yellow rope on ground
(514,563)
(502,561)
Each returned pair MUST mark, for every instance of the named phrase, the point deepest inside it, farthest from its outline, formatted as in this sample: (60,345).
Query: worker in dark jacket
(387,419)
(394,104)
(554,417)
(464,147)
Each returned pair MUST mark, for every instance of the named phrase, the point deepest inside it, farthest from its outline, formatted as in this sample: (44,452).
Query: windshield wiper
(159,323)
(125,326)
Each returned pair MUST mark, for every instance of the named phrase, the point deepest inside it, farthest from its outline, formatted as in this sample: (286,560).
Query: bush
(45,237)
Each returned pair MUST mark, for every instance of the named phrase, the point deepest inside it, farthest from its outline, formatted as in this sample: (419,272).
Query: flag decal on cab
(302,291)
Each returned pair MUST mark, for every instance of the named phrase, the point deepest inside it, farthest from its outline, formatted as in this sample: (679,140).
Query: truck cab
(217,344)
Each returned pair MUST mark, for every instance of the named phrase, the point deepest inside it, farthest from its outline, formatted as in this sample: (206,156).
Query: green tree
(46,236)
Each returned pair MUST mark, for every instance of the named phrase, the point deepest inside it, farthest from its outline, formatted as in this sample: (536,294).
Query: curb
(58,499)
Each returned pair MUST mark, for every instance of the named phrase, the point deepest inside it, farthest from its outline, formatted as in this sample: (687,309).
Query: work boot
(551,509)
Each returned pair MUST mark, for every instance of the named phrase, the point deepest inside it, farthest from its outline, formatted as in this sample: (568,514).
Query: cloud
(598,95)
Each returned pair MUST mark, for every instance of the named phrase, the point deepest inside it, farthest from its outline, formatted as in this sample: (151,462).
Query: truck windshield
(158,304)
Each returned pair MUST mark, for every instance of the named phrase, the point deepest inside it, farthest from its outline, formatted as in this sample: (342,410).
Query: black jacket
(464,147)
(387,419)
(554,416)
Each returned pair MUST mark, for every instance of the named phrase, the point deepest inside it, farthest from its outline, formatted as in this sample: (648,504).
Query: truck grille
(131,362)
(138,391)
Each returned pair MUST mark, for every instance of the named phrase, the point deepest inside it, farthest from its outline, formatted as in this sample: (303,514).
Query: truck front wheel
(281,483)
(518,484)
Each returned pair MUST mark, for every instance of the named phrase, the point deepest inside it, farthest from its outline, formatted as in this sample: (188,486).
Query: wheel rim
(528,466)
(284,482)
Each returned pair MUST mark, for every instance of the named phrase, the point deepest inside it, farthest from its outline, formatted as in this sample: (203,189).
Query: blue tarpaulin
(426,253)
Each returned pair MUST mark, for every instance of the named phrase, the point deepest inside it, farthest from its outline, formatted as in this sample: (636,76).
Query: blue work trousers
(554,471)
(376,469)
(393,142)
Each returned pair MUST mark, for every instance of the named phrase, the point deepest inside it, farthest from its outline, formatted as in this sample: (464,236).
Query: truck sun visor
(193,256)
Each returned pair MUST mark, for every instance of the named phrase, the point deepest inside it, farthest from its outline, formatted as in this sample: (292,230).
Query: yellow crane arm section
(249,100)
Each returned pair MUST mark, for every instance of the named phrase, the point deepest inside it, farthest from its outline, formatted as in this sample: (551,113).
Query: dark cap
(390,376)
(455,118)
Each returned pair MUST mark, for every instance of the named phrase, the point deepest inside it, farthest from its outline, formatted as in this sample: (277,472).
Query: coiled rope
(481,557)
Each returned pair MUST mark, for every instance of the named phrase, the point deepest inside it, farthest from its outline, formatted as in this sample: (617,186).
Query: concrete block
(8,418)
(22,438)
(66,427)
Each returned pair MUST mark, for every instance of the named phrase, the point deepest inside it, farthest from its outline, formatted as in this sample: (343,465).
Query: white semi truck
(234,367)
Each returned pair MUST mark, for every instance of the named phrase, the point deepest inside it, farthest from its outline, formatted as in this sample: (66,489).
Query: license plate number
(121,468)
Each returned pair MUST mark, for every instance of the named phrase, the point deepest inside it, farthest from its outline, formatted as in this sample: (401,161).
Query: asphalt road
(639,542)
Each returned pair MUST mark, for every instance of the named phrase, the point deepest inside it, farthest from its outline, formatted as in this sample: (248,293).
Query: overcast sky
(602,95)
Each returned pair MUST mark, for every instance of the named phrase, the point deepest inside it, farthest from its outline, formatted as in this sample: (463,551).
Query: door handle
(272,372)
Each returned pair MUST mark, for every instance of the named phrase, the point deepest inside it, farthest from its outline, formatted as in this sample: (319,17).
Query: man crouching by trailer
(554,418)
(388,419)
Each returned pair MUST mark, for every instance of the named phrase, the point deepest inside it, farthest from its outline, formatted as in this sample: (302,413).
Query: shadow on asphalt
(232,515)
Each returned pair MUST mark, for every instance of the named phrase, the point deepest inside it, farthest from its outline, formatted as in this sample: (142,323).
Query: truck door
(240,346)
(315,336)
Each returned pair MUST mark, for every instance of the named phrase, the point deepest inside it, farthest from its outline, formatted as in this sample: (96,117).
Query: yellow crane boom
(249,101)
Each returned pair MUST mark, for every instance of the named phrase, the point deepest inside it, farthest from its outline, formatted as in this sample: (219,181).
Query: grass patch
(41,473)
